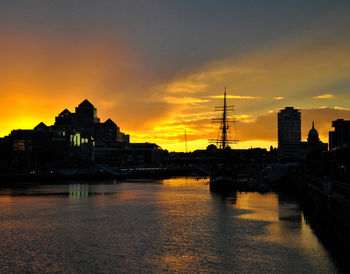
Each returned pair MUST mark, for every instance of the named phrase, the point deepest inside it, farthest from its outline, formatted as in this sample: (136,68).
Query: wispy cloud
(245,118)
(279,98)
(341,108)
(235,97)
(235,70)
(336,107)
(184,100)
(325,96)
(185,87)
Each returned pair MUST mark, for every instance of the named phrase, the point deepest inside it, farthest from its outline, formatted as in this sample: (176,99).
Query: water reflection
(283,232)
(183,181)
(77,191)
(73,191)
(262,207)
(174,226)
(224,198)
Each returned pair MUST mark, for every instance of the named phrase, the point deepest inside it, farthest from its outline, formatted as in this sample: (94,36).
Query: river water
(174,225)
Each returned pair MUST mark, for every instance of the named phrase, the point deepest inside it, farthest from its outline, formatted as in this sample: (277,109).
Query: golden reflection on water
(185,181)
(174,225)
(182,210)
(288,225)
(300,235)
(264,207)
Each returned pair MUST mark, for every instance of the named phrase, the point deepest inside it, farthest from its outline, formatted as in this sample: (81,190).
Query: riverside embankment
(326,206)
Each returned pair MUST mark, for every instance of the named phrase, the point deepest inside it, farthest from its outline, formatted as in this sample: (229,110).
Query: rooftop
(86,103)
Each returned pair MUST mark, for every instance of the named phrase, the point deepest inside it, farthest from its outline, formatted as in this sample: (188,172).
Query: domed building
(313,138)
(313,149)
(313,142)
(212,147)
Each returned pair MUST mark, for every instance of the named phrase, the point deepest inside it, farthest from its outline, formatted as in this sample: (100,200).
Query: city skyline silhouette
(163,136)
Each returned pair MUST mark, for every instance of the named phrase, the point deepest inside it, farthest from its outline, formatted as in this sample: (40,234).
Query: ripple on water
(174,225)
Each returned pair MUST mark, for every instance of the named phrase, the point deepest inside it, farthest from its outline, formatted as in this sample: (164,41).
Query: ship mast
(224,122)
(224,126)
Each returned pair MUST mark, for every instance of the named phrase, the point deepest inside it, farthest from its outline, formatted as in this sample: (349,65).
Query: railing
(328,184)
(200,169)
(341,187)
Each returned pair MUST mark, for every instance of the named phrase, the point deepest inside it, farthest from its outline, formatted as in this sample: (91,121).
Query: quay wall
(326,211)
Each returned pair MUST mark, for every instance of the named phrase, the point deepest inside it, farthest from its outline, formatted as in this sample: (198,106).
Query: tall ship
(223,179)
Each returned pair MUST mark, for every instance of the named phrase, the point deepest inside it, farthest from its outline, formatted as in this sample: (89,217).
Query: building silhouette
(76,139)
(340,136)
(313,141)
(289,132)
(313,150)
(313,138)
(65,120)
(86,118)
(337,159)
(86,122)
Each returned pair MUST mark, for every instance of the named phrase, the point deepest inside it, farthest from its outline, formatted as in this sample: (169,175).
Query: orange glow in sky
(155,98)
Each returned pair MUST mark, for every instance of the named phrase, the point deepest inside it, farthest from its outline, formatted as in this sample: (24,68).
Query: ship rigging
(225,120)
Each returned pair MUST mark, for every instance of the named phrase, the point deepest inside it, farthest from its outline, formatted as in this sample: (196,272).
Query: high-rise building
(289,132)
(106,132)
(86,117)
(341,134)
(64,120)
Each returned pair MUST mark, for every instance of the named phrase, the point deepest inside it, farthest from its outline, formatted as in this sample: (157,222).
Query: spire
(313,125)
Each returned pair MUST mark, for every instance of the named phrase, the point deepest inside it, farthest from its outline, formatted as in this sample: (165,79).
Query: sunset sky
(158,68)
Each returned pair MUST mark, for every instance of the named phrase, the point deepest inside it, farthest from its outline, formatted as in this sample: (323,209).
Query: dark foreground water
(174,225)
